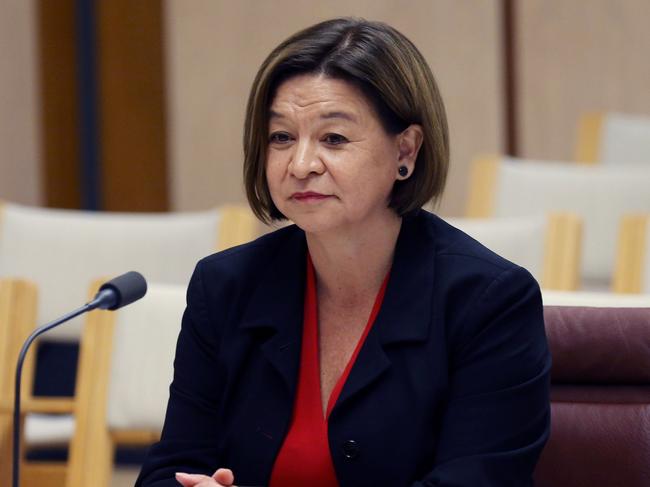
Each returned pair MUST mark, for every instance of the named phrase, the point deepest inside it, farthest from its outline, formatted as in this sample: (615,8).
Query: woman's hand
(223,477)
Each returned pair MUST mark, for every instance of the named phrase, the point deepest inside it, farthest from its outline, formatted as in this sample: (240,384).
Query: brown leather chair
(600,393)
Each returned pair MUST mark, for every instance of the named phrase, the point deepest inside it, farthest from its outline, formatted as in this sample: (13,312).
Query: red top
(304,458)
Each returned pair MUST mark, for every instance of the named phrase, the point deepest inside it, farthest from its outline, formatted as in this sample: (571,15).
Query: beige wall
(576,57)
(19,139)
(215,46)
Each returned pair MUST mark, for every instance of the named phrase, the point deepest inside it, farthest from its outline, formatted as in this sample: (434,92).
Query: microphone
(120,291)
(114,294)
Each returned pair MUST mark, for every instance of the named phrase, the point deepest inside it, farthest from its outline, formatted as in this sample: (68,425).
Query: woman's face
(330,164)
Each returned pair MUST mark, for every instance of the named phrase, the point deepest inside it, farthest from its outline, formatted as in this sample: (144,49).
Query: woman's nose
(305,160)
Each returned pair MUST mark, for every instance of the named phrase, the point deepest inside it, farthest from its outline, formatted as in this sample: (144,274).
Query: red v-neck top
(304,458)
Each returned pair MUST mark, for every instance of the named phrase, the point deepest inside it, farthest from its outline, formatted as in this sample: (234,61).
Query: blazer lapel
(405,313)
(276,307)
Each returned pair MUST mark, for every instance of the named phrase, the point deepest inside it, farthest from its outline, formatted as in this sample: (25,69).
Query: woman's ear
(409,143)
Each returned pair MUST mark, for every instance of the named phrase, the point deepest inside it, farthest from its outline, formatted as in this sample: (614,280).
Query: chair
(632,271)
(600,396)
(599,195)
(613,138)
(116,406)
(547,246)
(63,251)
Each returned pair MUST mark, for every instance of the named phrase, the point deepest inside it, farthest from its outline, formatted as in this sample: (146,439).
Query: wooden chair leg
(91,450)
(6,442)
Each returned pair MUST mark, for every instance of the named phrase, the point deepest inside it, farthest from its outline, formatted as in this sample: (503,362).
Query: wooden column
(132,105)
(59,104)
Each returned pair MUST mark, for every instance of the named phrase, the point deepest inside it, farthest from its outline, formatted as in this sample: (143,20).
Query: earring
(402,171)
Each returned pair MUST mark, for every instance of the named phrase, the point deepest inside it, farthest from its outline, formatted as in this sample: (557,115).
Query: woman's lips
(309,196)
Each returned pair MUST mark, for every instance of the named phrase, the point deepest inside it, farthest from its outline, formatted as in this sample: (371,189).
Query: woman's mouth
(309,196)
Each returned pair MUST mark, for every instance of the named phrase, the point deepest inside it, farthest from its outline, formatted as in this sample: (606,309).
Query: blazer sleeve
(497,418)
(190,433)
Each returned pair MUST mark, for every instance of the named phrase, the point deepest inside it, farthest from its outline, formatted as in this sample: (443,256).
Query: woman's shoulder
(252,256)
(465,268)
(454,245)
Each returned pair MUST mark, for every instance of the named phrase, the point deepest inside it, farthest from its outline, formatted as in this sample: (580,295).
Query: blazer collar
(405,314)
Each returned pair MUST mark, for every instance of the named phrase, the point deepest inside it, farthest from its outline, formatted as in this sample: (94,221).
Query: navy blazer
(450,388)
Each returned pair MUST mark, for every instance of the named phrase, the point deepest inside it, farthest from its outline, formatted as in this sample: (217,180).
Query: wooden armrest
(48,405)
(134,437)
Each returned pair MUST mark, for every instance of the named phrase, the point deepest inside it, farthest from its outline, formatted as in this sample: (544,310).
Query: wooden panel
(132,112)
(215,47)
(577,57)
(59,107)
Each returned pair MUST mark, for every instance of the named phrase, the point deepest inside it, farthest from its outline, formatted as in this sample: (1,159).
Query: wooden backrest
(17,321)
(632,271)
(613,138)
(548,246)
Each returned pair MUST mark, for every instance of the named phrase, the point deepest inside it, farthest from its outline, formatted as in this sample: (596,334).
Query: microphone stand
(19,370)
(114,294)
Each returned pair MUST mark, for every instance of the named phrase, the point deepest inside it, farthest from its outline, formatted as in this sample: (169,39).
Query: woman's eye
(335,139)
(279,138)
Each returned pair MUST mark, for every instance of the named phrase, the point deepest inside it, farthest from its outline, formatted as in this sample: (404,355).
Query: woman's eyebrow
(343,115)
(324,116)
(274,114)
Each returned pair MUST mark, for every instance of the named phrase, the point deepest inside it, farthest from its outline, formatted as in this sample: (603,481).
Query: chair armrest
(134,437)
(48,405)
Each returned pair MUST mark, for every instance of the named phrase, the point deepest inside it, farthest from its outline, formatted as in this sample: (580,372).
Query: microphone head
(124,289)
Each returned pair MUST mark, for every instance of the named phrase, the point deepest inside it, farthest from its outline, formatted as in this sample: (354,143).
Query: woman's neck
(351,266)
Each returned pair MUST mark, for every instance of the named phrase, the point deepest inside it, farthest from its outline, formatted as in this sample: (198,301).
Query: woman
(371,343)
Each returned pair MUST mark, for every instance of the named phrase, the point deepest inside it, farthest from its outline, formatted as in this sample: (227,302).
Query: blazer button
(350,449)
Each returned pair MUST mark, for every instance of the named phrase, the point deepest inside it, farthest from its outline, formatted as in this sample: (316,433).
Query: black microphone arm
(114,294)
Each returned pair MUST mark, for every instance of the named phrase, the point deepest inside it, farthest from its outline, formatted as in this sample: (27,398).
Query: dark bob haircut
(391,73)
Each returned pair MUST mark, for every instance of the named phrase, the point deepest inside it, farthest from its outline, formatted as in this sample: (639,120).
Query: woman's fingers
(195,480)
(224,476)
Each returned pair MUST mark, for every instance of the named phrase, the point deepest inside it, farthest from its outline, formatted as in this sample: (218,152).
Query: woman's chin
(316,224)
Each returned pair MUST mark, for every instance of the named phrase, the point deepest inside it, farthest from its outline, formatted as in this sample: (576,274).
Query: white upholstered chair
(595,299)
(613,138)
(126,366)
(64,251)
(600,195)
(547,246)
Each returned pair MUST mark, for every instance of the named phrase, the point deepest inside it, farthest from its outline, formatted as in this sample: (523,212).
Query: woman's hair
(391,73)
